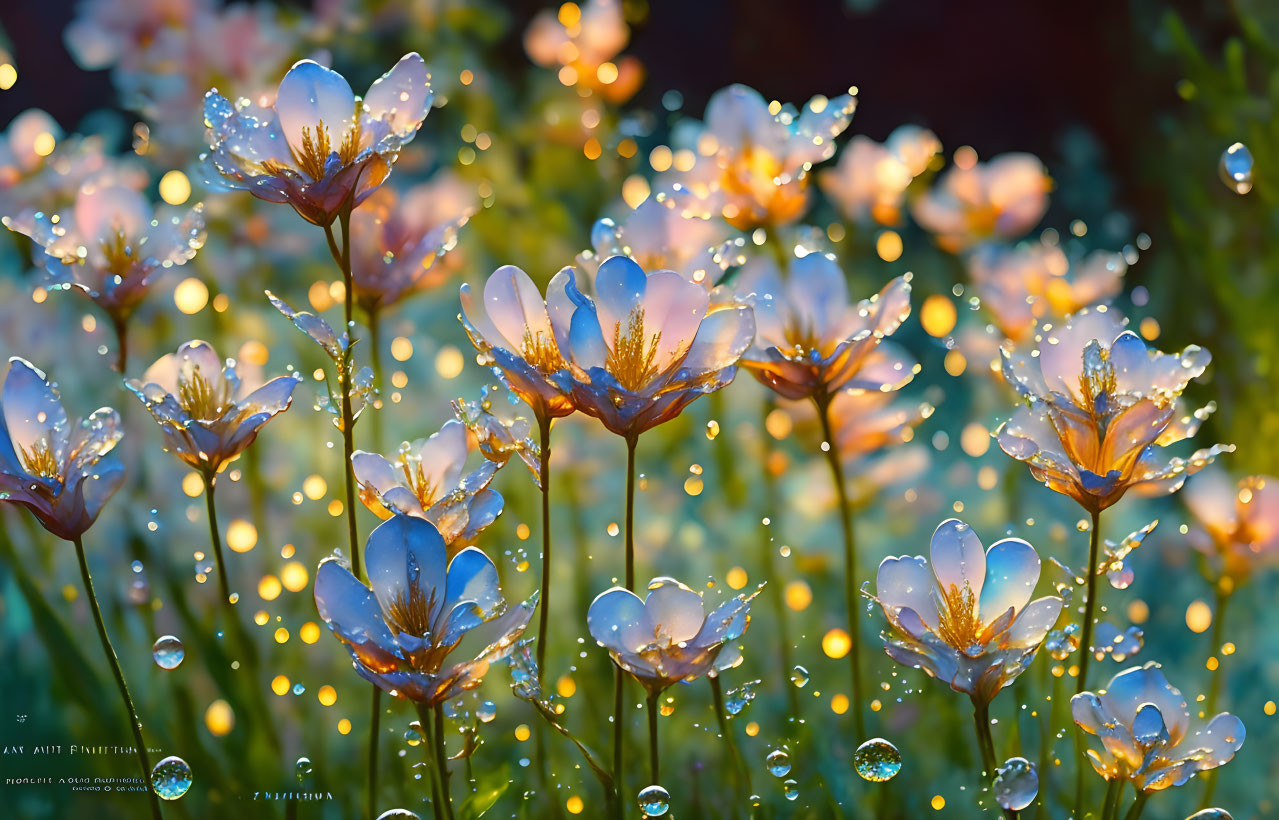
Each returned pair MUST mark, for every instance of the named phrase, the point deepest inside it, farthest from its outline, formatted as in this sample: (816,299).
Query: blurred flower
(811,341)
(427,480)
(755,157)
(1236,524)
(208,416)
(28,140)
(57,469)
(396,245)
(583,39)
(866,421)
(402,632)
(1142,727)
(41,170)
(1000,199)
(318,148)
(524,335)
(658,237)
(668,636)
(870,180)
(968,620)
(111,245)
(1100,409)
(499,437)
(1025,284)
(107,32)
(647,345)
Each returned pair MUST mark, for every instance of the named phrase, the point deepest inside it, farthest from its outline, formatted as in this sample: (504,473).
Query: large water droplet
(1016,784)
(171,778)
(486,711)
(877,760)
(168,652)
(654,801)
(399,814)
(413,734)
(304,768)
(790,788)
(1235,168)
(1211,814)
(799,677)
(778,763)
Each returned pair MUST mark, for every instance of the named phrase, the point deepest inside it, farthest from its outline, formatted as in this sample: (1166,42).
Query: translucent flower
(999,199)
(427,479)
(811,341)
(1236,524)
(870,180)
(583,39)
(647,345)
(429,627)
(500,437)
(107,32)
(661,238)
(968,619)
(668,636)
(207,414)
(1100,410)
(319,148)
(396,245)
(524,335)
(756,158)
(1028,283)
(58,469)
(1140,731)
(111,245)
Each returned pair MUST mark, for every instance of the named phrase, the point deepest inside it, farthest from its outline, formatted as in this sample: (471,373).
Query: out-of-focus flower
(667,636)
(58,469)
(1000,199)
(662,238)
(525,336)
(28,140)
(583,40)
(427,479)
(319,148)
(866,421)
(111,245)
(107,32)
(429,627)
(208,416)
(395,247)
(755,161)
(811,342)
(968,619)
(1237,523)
(40,170)
(1100,409)
(648,344)
(1142,730)
(499,437)
(1023,285)
(870,180)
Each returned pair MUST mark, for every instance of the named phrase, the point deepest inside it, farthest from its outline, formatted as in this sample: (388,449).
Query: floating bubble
(171,778)
(299,689)
(1211,814)
(413,734)
(735,700)
(304,768)
(399,814)
(799,676)
(1016,784)
(778,763)
(877,760)
(1235,168)
(486,711)
(168,652)
(654,801)
(790,789)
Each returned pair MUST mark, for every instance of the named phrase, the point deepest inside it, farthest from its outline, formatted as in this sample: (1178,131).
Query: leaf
(488,791)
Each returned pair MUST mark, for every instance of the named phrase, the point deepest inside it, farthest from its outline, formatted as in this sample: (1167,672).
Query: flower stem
(375,719)
(375,356)
(619,681)
(1090,602)
(1114,793)
(544,478)
(1218,674)
(631,441)
(654,770)
(343,258)
(619,684)
(1138,805)
(441,760)
(425,720)
(740,771)
(990,764)
(215,536)
(823,402)
(121,326)
(114,663)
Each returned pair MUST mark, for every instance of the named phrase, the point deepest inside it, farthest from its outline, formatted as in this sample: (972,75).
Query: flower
(1237,523)
(870,180)
(811,342)
(583,40)
(1000,199)
(1100,409)
(968,620)
(421,610)
(668,636)
(105,32)
(499,436)
(318,148)
(59,470)
(1142,728)
(111,245)
(756,157)
(866,421)
(426,480)
(648,345)
(1023,285)
(524,335)
(208,416)
(658,237)
(395,245)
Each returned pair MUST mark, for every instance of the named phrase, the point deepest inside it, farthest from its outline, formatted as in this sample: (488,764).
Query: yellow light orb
(449,362)
(294,576)
(736,578)
(401,348)
(192,484)
(314,487)
(241,536)
(798,595)
(310,632)
(327,695)
(938,315)
(191,295)
(575,805)
(1198,616)
(219,718)
(269,588)
(280,685)
(889,246)
(344,727)
(836,643)
(175,188)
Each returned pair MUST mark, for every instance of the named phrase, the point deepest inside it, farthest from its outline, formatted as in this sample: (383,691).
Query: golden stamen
(540,350)
(119,256)
(40,460)
(316,149)
(198,397)
(957,621)
(422,487)
(633,359)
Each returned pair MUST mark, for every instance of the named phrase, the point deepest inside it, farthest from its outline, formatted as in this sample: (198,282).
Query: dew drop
(304,768)
(654,801)
(1211,814)
(712,429)
(399,814)
(168,652)
(1016,784)
(413,734)
(171,778)
(790,789)
(778,763)
(877,760)
(799,677)
(486,711)
(1235,168)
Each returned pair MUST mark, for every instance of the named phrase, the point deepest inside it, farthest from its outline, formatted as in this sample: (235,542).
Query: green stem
(544,478)
(1090,602)
(990,764)
(631,441)
(343,258)
(823,402)
(726,731)
(375,719)
(114,663)
(215,535)
(375,355)
(1218,674)
(1114,793)
(1138,805)
(654,771)
(425,720)
(441,760)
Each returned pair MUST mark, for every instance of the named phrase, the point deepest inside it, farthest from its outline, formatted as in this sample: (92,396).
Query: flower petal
(310,97)
(957,556)
(405,562)
(674,609)
(618,621)
(1012,570)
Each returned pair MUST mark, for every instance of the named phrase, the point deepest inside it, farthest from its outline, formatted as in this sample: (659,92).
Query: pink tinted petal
(674,610)
(958,557)
(401,96)
(32,411)
(1012,570)
(102,211)
(817,294)
(721,340)
(311,95)
(443,456)
(1033,622)
(515,306)
(673,307)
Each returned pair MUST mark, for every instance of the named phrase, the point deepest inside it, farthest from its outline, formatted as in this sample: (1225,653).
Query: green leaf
(487,792)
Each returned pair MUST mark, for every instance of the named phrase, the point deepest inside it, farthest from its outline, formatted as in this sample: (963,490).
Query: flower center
(317,147)
(422,487)
(119,256)
(1097,383)
(40,460)
(540,350)
(201,399)
(958,624)
(633,357)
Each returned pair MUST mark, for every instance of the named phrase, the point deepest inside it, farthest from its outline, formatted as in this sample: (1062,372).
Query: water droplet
(790,789)
(168,652)
(171,778)
(486,711)
(1211,814)
(654,801)
(1016,784)
(398,814)
(799,677)
(712,429)
(778,763)
(298,689)
(613,529)
(1235,168)
(413,734)
(877,760)
(304,768)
